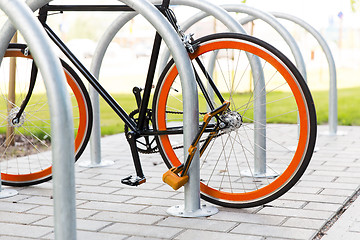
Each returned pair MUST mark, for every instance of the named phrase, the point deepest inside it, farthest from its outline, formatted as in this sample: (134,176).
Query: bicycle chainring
(144,144)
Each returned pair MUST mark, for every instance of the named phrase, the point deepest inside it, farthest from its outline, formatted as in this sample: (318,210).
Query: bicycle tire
(27,160)
(229,174)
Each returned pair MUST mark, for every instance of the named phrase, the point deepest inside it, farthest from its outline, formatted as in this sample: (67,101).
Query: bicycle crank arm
(171,177)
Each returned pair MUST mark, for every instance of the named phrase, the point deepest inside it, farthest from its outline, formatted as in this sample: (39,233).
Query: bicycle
(235,129)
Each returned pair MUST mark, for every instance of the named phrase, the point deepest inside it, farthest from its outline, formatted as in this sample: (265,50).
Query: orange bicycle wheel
(264,142)
(26,145)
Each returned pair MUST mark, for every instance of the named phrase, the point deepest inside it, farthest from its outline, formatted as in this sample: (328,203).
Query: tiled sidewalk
(106,209)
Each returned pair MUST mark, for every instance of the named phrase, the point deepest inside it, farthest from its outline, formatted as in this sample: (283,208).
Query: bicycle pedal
(174,180)
(133,181)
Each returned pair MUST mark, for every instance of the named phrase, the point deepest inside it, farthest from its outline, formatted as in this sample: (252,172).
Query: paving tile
(115,207)
(107,209)
(95,189)
(198,223)
(99,236)
(248,218)
(145,193)
(315,197)
(142,238)
(90,235)
(42,210)
(274,231)
(317,178)
(329,185)
(101,197)
(114,172)
(347,226)
(348,179)
(14,199)
(342,235)
(303,223)
(20,230)
(13,238)
(309,190)
(44,189)
(148,185)
(142,230)
(210,235)
(323,206)
(16,206)
(81,224)
(155,201)
(281,202)
(126,217)
(155,210)
(49,211)
(337,192)
(84,175)
(355,227)
(38,200)
(334,173)
(90,182)
(303,213)
(20,218)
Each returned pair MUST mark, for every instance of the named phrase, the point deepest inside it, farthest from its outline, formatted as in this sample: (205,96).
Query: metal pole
(271,20)
(259,104)
(217,13)
(61,120)
(105,40)
(263,16)
(7,31)
(333,108)
(190,100)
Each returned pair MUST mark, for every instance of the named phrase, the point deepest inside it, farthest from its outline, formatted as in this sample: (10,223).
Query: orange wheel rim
(79,136)
(301,147)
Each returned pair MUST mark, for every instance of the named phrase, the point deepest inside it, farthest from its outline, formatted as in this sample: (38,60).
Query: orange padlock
(172,179)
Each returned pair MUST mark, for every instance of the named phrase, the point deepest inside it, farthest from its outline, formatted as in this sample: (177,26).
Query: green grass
(348,109)
(348,106)
(110,122)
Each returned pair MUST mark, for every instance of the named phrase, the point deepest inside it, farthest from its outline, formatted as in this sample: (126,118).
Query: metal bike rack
(95,143)
(188,83)
(231,24)
(7,31)
(333,99)
(266,17)
(261,15)
(61,120)
(333,121)
(191,109)
(110,33)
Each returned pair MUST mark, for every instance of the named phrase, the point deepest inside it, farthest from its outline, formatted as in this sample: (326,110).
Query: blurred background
(126,60)
(337,20)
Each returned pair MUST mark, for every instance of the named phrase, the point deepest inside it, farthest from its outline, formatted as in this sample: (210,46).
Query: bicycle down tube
(139,128)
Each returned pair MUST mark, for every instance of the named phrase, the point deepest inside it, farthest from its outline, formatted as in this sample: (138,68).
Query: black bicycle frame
(139,129)
(136,127)
(43,13)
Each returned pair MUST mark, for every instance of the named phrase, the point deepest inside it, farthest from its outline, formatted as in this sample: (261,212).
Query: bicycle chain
(156,149)
(179,147)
